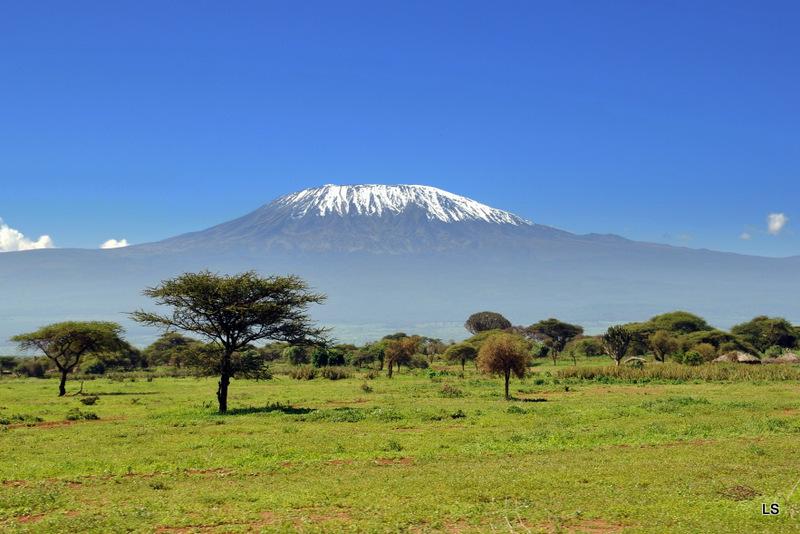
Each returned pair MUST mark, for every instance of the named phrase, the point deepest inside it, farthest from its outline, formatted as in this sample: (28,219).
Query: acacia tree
(616,341)
(662,343)
(460,353)
(486,320)
(171,348)
(65,344)
(554,334)
(504,354)
(231,312)
(400,351)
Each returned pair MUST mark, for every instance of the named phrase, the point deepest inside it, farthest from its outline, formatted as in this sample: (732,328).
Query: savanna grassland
(427,451)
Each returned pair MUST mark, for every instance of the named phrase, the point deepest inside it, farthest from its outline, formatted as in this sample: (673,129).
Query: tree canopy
(400,351)
(65,344)
(763,332)
(231,312)
(616,341)
(486,320)
(504,354)
(460,353)
(554,334)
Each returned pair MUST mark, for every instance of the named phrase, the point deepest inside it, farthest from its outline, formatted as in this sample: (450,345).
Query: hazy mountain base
(594,281)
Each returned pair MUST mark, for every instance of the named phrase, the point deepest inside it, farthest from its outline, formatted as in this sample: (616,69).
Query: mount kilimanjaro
(406,258)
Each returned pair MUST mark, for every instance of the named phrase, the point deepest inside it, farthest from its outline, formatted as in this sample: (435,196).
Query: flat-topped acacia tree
(231,312)
(65,344)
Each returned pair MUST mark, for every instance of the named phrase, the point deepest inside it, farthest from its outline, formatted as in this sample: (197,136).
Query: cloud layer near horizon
(13,240)
(113,243)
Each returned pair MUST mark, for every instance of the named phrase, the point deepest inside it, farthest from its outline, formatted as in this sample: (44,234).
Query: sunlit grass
(319,455)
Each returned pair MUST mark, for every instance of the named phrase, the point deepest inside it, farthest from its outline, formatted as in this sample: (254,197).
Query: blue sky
(674,122)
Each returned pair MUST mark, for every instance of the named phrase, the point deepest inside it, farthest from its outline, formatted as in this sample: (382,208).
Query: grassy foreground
(428,452)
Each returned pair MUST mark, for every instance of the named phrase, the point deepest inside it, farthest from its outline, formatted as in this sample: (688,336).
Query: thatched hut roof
(738,357)
(786,358)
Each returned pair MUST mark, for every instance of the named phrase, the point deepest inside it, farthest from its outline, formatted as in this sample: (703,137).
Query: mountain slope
(406,258)
(376,218)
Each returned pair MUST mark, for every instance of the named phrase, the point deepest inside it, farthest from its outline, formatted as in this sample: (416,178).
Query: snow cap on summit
(375,200)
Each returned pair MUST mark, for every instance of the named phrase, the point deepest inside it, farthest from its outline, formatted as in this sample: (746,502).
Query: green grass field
(423,452)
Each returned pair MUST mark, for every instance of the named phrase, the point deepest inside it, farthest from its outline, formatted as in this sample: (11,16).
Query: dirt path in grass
(53,424)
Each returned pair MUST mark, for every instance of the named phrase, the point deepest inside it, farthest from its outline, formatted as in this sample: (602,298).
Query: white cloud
(776,222)
(745,235)
(12,240)
(113,243)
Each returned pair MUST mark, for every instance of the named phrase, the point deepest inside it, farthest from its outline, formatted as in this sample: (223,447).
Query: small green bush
(90,400)
(449,391)
(336,373)
(692,357)
(76,415)
(303,372)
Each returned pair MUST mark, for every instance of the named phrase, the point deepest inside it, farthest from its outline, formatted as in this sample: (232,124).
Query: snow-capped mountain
(406,258)
(377,200)
(393,219)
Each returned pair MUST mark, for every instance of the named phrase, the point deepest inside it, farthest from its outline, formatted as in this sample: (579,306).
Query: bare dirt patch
(52,424)
(29,518)
(589,526)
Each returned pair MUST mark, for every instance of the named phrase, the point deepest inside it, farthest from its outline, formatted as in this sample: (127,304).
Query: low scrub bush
(76,415)
(449,391)
(682,373)
(13,419)
(337,372)
(89,400)
(303,372)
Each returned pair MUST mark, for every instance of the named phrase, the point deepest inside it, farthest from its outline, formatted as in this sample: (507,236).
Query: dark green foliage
(396,336)
(663,344)
(553,333)
(231,312)
(587,347)
(486,320)
(15,419)
(418,361)
(363,357)
(95,368)
(65,344)
(319,357)
(76,415)
(171,347)
(30,367)
(460,353)
(7,363)
(677,323)
(336,372)
(245,364)
(303,372)
(763,332)
(295,355)
(715,338)
(616,341)
(692,357)
(89,400)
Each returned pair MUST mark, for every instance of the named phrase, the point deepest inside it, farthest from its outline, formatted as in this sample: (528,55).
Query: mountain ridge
(406,270)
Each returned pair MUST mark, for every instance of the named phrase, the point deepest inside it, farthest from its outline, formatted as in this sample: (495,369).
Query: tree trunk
(222,392)
(508,375)
(463,368)
(62,386)
(391,366)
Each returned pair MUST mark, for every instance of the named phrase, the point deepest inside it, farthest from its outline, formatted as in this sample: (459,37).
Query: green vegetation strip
(424,452)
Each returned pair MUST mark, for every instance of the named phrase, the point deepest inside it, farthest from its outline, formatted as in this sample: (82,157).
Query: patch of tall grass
(683,373)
